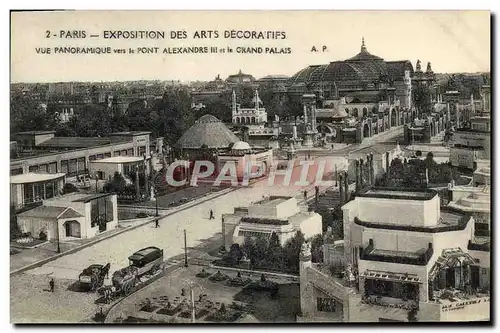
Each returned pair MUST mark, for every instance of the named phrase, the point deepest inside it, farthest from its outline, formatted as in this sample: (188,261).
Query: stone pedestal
(309,139)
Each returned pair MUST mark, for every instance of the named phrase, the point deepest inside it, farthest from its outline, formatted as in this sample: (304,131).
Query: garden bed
(28,244)
(149,308)
(170,311)
(227,316)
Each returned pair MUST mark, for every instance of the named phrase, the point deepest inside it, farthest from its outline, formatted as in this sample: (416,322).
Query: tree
(235,254)
(421,96)
(15,231)
(292,251)
(317,248)
(248,247)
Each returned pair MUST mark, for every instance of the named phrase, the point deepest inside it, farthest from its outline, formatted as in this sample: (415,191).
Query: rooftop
(74,142)
(35,133)
(209,131)
(450,220)
(130,133)
(51,212)
(32,177)
(120,159)
(398,193)
(146,251)
(78,197)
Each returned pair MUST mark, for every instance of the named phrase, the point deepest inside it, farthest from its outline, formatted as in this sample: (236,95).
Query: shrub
(142,215)
(69,188)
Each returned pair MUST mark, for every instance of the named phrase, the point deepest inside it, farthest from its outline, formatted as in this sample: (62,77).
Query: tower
(233,104)
(309,101)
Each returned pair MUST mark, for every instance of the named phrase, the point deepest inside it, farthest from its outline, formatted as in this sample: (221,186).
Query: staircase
(328,200)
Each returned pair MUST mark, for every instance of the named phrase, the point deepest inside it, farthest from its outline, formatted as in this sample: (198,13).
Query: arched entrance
(238,120)
(393,118)
(328,132)
(73,229)
(366,131)
(253,120)
(432,129)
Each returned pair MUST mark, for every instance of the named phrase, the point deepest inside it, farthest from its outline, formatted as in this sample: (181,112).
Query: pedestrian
(157,223)
(316,189)
(51,284)
(305,195)
(211,215)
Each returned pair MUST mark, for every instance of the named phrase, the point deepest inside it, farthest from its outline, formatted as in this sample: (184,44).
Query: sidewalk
(30,259)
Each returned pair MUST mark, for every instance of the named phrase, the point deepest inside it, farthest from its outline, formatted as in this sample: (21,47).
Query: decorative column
(346,186)
(357,174)
(341,189)
(361,170)
(368,169)
(137,185)
(387,165)
(372,169)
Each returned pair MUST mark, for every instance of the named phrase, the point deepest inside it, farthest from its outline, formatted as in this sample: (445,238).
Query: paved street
(169,237)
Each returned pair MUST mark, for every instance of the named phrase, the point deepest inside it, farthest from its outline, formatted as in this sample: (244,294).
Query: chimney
(341,189)
(346,185)
(372,169)
(387,166)
(357,175)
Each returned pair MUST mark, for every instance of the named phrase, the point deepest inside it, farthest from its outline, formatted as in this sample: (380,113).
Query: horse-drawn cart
(93,276)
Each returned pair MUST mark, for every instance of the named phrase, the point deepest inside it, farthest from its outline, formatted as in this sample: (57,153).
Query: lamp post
(191,284)
(58,243)
(156,200)
(185,250)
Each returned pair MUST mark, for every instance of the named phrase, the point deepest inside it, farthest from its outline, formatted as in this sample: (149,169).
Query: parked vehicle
(144,261)
(147,260)
(125,279)
(93,276)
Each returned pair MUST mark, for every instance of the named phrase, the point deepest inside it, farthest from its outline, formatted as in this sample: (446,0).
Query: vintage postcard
(250,167)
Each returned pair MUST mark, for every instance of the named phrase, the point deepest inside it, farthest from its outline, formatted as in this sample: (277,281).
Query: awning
(391,276)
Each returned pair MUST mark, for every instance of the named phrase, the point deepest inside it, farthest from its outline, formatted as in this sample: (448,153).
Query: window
(64,166)
(33,168)
(116,153)
(72,168)
(327,304)
(107,155)
(42,168)
(18,171)
(81,165)
(92,158)
(101,210)
(130,152)
(50,190)
(123,153)
(99,156)
(142,151)
(28,193)
(52,168)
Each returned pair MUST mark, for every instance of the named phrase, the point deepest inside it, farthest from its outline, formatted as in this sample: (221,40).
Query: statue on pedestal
(305,250)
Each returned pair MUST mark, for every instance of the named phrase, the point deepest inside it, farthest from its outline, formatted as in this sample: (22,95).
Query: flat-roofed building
(31,188)
(124,165)
(471,144)
(42,152)
(408,259)
(74,215)
(279,215)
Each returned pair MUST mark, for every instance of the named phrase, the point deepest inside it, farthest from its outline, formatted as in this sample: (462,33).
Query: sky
(453,41)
